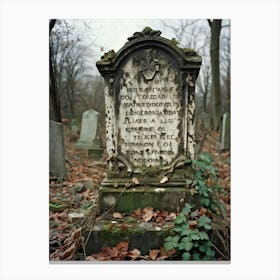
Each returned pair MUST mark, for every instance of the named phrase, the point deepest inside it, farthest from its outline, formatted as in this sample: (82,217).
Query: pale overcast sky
(111,34)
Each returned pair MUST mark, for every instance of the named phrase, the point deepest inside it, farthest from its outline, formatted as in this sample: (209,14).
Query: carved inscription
(150,110)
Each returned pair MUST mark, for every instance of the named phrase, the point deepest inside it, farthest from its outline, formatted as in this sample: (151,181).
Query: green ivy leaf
(204,221)
(195,237)
(209,252)
(175,239)
(212,170)
(207,226)
(201,183)
(213,206)
(206,157)
(177,229)
(187,245)
(180,219)
(205,201)
(200,164)
(187,209)
(181,246)
(223,210)
(198,175)
(186,238)
(203,235)
(168,246)
(171,242)
(185,230)
(196,256)
(168,238)
(186,256)
(202,248)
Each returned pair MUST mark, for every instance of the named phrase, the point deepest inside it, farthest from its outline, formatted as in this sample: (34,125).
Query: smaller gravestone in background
(89,138)
(56,150)
(225,137)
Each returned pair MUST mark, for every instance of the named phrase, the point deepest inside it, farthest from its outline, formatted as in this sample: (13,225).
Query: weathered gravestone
(149,99)
(89,137)
(56,150)
(225,132)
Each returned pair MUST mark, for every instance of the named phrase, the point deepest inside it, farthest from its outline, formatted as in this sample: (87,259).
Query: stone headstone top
(89,130)
(149,99)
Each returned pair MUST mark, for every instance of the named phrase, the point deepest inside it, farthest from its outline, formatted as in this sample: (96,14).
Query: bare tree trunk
(215,109)
(56,141)
(205,101)
(54,101)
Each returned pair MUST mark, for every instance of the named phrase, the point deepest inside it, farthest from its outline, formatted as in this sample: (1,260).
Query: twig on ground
(216,248)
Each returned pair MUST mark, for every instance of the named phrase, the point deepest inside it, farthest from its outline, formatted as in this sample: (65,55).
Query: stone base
(88,145)
(95,154)
(140,235)
(171,199)
(81,144)
(143,236)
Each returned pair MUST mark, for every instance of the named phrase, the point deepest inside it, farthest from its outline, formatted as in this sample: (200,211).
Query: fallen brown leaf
(202,211)
(137,213)
(135,181)
(117,215)
(148,214)
(134,254)
(101,258)
(166,254)
(90,258)
(110,252)
(192,224)
(153,254)
(69,252)
(86,194)
(172,216)
(77,233)
(122,246)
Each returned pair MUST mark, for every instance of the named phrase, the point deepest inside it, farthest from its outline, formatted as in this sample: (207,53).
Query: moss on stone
(160,198)
(174,42)
(189,52)
(108,56)
(152,171)
(138,236)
